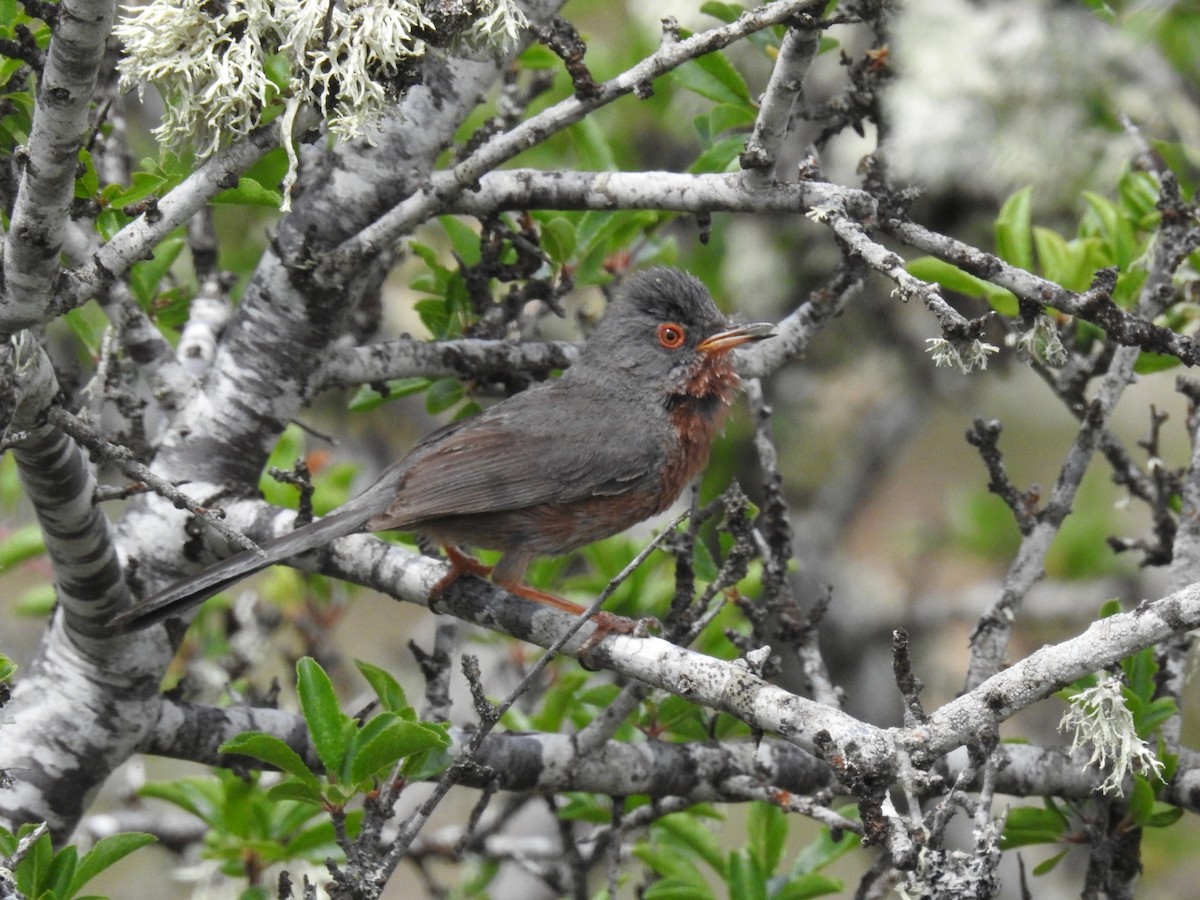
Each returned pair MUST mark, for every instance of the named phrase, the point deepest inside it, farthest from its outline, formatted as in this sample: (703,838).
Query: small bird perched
(613,441)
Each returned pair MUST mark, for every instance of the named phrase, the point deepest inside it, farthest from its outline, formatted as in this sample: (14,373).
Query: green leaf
(937,271)
(1048,865)
(250,193)
(443,394)
(1032,825)
(435,315)
(464,240)
(394,739)
(1014,235)
(720,157)
(425,764)
(385,686)
(146,275)
(677,889)
(824,850)
(1148,363)
(1063,263)
(87,184)
(691,833)
(1114,228)
(1141,800)
(202,797)
(7,668)
(673,864)
(747,880)
(274,752)
(1164,815)
(766,828)
(368,398)
(806,886)
(726,12)
(107,851)
(329,726)
(538,56)
(713,76)
(141,186)
(21,544)
(298,792)
(728,115)
(592,146)
(62,870)
(558,239)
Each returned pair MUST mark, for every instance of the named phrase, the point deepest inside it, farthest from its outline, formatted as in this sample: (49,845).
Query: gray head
(661,332)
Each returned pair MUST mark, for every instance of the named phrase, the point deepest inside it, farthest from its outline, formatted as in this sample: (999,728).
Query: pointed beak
(735,337)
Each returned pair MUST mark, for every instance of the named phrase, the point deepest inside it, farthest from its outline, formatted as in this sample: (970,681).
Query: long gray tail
(194,590)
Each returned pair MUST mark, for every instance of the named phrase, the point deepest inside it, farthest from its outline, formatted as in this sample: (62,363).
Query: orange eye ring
(671,335)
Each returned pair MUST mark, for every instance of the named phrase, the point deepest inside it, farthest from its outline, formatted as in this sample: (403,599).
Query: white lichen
(213,61)
(1098,716)
(973,355)
(1042,341)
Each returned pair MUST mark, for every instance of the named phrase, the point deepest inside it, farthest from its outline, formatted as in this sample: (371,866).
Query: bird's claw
(610,623)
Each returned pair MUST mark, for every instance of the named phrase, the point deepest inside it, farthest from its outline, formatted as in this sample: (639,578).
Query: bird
(611,442)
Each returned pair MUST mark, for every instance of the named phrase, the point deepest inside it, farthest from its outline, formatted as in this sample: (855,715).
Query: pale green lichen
(1098,716)
(967,357)
(209,59)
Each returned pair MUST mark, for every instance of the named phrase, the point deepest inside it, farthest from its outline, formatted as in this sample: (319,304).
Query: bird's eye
(670,335)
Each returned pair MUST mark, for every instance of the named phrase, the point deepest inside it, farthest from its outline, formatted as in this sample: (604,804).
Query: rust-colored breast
(697,414)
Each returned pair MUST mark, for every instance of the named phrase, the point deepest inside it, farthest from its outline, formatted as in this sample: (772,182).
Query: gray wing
(529,450)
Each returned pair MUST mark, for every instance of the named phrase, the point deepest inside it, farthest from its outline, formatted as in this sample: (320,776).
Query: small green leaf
(807,886)
(7,668)
(538,56)
(1114,228)
(146,275)
(1148,363)
(725,116)
(385,686)
(591,146)
(329,726)
(687,830)
(937,271)
(1062,263)
(673,863)
(141,186)
(677,889)
(21,544)
(394,739)
(766,831)
(425,764)
(464,240)
(62,869)
(747,880)
(824,850)
(558,239)
(249,193)
(274,752)
(1014,235)
(720,157)
(1032,825)
(435,315)
(1164,815)
(87,184)
(297,791)
(713,76)
(107,851)
(443,394)
(1048,865)
(368,398)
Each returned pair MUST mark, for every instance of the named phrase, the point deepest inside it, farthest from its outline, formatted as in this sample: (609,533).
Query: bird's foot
(460,564)
(606,623)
